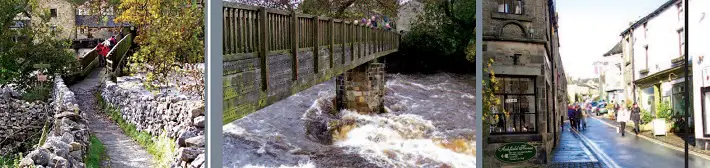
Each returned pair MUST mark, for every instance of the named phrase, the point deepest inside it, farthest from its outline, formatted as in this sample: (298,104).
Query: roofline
(649,16)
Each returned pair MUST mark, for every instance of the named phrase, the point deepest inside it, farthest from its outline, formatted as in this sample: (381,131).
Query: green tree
(441,36)
(350,9)
(36,43)
(169,34)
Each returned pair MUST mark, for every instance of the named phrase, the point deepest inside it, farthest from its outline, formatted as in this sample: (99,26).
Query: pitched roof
(614,50)
(649,16)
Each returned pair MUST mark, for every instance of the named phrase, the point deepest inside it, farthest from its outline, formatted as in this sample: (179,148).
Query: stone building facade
(520,36)
(62,17)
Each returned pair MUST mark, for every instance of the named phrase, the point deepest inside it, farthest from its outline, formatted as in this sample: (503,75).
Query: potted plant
(663,114)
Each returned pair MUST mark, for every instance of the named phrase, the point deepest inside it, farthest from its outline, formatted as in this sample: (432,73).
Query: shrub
(646,116)
(664,111)
(38,93)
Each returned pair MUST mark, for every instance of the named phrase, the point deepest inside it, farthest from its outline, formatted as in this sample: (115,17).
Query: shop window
(510,6)
(516,112)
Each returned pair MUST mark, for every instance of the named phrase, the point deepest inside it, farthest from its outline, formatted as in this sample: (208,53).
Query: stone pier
(361,88)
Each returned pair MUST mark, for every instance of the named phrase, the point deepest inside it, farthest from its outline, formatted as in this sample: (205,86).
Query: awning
(665,75)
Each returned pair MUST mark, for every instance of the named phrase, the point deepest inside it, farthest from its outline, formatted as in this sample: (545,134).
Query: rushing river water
(430,124)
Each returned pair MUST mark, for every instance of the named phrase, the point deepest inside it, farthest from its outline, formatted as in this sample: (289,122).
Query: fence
(245,31)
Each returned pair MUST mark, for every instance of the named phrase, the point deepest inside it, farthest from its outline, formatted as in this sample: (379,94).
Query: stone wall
(67,141)
(166,112)
(19,121)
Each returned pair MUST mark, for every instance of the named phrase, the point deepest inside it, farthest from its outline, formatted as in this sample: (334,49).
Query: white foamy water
(307,165)
(401,141)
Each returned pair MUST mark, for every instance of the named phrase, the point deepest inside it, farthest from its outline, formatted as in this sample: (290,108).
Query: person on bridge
(636,117)
(622,117)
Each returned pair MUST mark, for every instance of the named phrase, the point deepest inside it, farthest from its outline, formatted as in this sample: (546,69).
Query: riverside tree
(169,34)
(29,42)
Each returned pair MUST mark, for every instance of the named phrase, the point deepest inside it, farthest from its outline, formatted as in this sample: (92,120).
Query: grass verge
(162,147)
(96,154)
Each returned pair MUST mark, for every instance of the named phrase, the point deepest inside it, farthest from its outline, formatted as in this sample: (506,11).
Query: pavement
(610,149)
(122,151)
(572,152)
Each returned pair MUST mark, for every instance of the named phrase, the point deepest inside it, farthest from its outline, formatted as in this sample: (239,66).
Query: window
(510,6)
(679,6)
(646,49)
(681,41)
(516,112)
(53,13)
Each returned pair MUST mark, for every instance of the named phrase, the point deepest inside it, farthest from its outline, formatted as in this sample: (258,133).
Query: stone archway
(512,29)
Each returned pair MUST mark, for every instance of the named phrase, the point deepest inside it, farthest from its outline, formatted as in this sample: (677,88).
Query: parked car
(600,109)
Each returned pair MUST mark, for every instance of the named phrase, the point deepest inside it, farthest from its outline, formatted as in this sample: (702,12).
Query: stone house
(75,22)
(653,47)
(521,37)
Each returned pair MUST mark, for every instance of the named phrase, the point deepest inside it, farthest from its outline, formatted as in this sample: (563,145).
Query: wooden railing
(246,31)
(117,57)
(271,54)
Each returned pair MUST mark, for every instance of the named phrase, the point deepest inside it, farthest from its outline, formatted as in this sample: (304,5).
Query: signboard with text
(515,152)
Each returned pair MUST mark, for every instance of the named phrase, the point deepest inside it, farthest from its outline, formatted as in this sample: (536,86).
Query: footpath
(122,151)
(572,152)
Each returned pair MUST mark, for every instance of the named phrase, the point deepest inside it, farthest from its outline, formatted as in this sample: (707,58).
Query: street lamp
(687,93)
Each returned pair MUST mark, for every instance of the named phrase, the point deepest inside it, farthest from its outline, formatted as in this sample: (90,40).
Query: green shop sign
(515,152)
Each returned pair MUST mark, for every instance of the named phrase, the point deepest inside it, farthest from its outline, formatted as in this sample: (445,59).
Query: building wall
(66,16)
(528,35)
(662,40)
(699,41)
(627,52)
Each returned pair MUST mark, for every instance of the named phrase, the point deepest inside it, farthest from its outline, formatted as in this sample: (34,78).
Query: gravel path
(121,149)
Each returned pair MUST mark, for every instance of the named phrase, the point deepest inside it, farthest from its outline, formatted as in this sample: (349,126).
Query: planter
(659,127)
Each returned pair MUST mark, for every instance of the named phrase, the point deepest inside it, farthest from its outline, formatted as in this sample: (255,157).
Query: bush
(664,111)
(38,93)
(646,116)
(170,35)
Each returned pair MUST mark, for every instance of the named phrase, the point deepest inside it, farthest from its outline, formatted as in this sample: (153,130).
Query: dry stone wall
(167,112)
(67,141)
(19,121)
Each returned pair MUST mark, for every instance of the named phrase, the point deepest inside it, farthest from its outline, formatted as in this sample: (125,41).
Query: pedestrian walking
(622,117)
(578,116)
(636,117)
(570,115)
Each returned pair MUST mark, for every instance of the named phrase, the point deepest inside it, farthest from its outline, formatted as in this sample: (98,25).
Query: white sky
(590,28)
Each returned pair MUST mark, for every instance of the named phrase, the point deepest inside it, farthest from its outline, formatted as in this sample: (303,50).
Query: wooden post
(263,48)
(294,46)
(352,41)
(316,41)
(342,39)
(224,30)
(331,33)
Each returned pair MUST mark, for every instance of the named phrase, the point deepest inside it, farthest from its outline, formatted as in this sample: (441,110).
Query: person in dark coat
(636,117)
(578,116)
(570,115)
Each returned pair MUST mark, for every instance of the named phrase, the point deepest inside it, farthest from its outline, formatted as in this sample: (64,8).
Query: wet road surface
(634,151)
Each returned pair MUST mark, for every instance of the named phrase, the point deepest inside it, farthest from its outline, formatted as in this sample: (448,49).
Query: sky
(590,28)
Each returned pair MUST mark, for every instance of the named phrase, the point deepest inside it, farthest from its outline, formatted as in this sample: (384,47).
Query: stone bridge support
(362,88)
